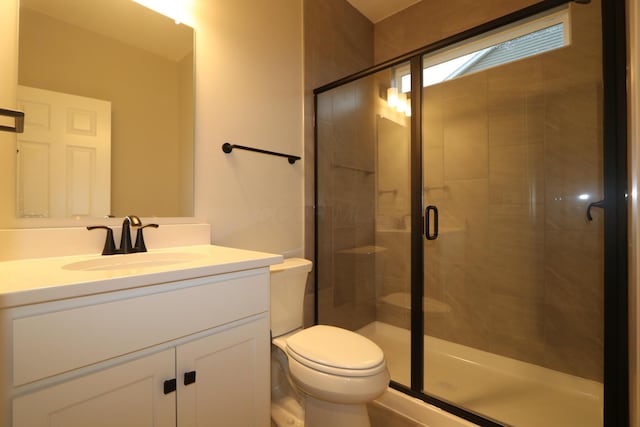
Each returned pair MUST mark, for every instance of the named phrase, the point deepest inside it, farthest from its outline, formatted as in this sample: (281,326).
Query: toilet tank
(288,281)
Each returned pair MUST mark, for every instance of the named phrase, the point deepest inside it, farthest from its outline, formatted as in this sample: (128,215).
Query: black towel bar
(227,148)
(19,120)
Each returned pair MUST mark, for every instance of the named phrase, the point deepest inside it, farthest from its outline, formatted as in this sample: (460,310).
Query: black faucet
(125,240)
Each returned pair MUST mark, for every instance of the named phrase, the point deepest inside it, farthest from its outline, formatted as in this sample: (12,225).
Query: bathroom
(273,64)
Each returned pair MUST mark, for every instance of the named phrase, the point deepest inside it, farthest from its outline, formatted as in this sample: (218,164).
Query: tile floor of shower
(513,392)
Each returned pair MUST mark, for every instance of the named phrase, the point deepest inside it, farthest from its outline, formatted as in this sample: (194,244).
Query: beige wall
(249,91)
(145,106)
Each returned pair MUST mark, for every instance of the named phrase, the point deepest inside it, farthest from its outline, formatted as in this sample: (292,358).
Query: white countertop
(36,280)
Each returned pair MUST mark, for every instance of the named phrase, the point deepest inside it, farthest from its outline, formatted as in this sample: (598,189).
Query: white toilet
(323,375)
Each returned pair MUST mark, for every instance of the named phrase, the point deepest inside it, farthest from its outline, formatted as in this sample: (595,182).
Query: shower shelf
(363,250)
(352,168)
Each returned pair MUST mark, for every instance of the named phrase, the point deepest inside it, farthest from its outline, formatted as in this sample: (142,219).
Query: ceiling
(377,10)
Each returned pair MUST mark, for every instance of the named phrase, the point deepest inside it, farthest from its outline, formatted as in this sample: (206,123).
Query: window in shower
(524,40)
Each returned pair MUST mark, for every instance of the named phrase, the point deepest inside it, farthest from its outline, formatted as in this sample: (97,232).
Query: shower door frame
(616,350)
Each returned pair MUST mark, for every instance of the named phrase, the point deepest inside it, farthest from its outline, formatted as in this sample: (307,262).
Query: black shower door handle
(427,222)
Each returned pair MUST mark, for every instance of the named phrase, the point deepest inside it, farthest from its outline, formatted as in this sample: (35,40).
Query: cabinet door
(232,384)
(130,394)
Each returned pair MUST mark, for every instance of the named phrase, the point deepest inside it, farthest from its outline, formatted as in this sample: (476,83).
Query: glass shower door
(363,258)
(513,271)
(465,237)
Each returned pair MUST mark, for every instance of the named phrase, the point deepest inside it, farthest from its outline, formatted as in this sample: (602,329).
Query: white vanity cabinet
(128,394)
(229,373)
(185,353)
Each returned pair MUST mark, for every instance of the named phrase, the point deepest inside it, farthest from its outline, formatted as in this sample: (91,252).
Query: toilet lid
(336,350)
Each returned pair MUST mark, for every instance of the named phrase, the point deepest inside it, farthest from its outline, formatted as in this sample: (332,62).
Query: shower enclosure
(459,223)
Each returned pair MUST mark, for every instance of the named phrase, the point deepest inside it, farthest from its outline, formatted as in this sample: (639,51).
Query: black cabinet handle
(169,386)
(427,222)
(189,377)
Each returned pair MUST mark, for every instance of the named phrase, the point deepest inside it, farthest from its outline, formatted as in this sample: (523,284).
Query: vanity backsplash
(49,242)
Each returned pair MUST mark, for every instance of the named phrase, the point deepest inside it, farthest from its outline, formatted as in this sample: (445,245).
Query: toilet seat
(336,351)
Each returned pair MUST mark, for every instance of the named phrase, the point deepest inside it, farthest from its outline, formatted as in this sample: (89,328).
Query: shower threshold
(514,392)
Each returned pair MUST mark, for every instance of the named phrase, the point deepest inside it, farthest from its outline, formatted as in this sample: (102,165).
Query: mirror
(141,64)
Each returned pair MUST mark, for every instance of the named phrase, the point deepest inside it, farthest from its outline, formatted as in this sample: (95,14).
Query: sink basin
(132,261)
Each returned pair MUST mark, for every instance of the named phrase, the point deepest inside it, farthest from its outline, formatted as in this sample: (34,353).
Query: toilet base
(320,413)
(282,416)
(286,403)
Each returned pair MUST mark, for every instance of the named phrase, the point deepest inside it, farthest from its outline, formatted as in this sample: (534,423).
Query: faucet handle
(140,245)
(109,244)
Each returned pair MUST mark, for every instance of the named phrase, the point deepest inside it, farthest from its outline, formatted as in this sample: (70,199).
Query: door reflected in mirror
(118,53)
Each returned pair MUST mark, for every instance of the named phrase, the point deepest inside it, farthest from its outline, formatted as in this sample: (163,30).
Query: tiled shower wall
(346,204)
(338,41)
